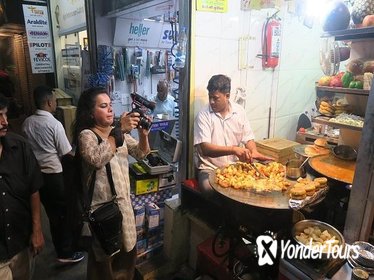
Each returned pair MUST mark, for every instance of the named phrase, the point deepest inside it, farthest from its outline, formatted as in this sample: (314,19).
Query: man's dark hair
(4,102)
(219,83)
(41,95)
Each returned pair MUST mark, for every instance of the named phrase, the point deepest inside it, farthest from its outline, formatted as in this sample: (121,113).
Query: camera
(138,102)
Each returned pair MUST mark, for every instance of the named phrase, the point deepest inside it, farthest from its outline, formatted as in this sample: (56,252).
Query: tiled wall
(288,90)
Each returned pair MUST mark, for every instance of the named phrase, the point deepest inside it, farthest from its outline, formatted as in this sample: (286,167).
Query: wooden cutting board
(334,168)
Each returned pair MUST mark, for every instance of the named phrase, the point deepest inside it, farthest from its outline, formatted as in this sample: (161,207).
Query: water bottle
(180,56)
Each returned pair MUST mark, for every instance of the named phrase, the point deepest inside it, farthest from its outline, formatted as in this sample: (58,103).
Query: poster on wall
(39,38)
(134,33)
(70,16)
(214,6)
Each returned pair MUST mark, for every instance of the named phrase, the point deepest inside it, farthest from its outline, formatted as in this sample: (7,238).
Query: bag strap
(108,172)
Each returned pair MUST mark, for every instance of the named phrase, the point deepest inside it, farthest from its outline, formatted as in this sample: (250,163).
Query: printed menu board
(39,38)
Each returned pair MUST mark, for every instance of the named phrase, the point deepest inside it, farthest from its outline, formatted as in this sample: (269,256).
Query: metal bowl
(345,152)
(365,253)
(300,226)
(293,169)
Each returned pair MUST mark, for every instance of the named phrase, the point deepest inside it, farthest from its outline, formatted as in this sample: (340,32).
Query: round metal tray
(272,200)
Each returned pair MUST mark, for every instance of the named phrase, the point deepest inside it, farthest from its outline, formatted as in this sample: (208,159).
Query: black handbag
(106,221)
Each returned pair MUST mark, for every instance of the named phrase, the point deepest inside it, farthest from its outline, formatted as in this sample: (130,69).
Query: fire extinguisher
(271,39)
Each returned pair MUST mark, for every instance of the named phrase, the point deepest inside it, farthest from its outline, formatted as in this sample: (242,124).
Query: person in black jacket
(21,234)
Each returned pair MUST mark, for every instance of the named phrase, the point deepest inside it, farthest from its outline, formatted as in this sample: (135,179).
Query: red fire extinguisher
(271,39)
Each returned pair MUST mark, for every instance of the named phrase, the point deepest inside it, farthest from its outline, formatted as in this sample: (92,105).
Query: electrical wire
(175,91)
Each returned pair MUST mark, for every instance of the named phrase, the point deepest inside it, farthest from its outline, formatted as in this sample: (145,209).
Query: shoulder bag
(106,221)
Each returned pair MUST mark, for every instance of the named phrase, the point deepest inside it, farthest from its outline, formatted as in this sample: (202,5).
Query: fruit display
(360,9)
(347,78)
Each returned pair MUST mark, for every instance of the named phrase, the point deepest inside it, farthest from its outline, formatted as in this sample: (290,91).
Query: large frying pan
(271,200)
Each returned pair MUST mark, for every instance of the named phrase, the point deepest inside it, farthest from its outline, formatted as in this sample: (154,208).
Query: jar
(359,273)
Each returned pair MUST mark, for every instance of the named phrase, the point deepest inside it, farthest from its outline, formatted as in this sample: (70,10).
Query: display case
(360,213)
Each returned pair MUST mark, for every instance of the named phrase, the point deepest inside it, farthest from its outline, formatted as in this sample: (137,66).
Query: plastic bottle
(180,56)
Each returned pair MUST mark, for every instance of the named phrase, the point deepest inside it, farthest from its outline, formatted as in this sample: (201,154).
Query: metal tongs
(262,175)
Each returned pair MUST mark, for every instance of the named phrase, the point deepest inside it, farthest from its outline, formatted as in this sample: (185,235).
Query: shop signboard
(39,38)
(215,6)
(70,16)
(142,34)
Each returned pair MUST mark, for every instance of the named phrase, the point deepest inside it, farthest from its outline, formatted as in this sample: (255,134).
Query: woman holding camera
(99,144)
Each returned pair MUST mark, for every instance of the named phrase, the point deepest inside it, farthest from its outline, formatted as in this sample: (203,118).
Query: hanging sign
(215,6)
(70,16)
(39,38)
(142,34)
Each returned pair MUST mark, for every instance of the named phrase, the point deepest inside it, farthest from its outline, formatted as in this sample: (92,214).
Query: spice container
(359,273)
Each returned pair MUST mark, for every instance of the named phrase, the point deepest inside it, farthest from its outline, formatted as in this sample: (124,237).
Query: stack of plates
(365,258)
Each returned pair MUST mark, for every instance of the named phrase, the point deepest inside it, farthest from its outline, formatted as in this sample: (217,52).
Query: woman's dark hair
(219,83)
(84,116)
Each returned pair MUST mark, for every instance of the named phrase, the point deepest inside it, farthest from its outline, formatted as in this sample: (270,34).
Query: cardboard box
(155,237)
(143,183)
(156,197)
(141,246)
(139,212)
(153,216)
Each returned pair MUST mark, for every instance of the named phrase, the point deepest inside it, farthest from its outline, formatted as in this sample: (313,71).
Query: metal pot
(295,169)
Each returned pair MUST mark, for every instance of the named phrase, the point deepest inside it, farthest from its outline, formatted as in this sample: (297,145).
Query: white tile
(285,127)
(260,128)
(208,24)
(296,90)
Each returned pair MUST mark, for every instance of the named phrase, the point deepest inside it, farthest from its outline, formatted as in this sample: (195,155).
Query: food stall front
(286,101)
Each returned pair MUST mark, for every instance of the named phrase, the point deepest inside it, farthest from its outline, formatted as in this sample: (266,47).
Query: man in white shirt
(165,103)
(49,143)
(222,134)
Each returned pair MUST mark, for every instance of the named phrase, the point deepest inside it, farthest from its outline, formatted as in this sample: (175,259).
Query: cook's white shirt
(210,127)
(48,140)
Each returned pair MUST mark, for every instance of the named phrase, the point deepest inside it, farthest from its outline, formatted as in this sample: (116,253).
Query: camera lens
(144,123)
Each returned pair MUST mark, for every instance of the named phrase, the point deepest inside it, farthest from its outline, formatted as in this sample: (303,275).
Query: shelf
(352,91)
(325,120)
(351,34)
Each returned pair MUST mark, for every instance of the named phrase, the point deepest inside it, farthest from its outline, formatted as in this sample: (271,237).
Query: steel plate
(272,200)
(300,149)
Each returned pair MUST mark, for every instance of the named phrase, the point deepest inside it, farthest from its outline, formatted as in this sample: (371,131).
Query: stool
(211,265)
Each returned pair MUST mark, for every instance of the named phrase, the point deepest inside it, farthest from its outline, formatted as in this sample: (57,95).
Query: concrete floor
(46,266)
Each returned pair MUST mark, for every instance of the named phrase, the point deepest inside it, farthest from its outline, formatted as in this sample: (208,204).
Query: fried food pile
(316,237)
(244,176)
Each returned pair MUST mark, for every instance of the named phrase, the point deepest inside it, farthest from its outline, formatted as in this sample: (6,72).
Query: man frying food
(222,134)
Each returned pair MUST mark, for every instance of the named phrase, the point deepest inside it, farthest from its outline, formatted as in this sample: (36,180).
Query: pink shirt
(210,127)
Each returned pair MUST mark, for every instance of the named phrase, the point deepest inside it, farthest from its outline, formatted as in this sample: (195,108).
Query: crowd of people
(31,172)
